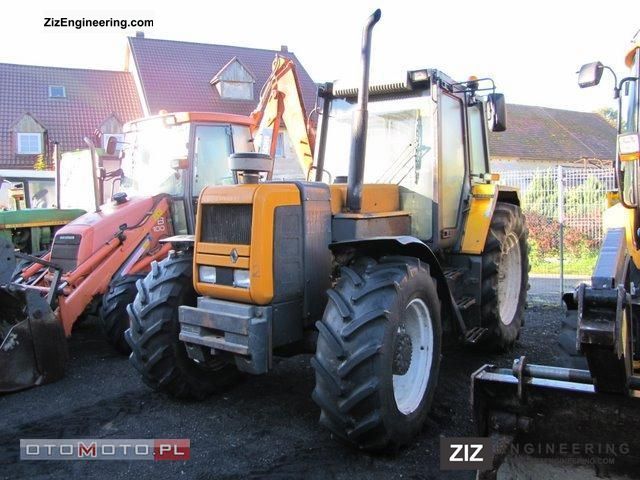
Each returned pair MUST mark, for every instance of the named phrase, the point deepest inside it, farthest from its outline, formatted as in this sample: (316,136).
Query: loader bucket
(554,414)
(33,348)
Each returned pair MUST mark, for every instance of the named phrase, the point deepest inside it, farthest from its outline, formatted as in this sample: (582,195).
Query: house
(40,106)
(542,138)
(183,76)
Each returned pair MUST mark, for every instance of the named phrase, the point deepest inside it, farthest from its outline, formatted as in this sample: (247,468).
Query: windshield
(152,154)
(400,150)
(399,140)
(629,100)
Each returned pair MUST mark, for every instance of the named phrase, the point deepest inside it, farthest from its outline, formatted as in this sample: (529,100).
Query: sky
(532,49)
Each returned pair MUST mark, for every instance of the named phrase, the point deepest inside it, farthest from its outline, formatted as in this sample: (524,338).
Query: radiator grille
(64,251)
(226,224)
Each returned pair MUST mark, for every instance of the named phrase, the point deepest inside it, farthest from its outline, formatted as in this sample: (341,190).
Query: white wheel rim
(410,386)
(509,279)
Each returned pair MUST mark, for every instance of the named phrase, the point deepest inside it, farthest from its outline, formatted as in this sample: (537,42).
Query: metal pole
(327,91)
(56,165)
(561,222)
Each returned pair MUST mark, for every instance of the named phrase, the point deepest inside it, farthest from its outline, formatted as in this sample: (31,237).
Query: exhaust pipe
(360,121)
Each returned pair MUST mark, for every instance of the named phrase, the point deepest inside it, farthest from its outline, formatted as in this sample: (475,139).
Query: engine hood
(92,230)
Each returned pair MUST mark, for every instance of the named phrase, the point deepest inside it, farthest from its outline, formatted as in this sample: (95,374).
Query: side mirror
(590,74)
(111,145)
(496,112)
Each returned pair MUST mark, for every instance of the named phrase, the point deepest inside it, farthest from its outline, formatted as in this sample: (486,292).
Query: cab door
(452,172)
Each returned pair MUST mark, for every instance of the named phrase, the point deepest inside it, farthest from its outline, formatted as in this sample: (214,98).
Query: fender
(481,206)
(412,247)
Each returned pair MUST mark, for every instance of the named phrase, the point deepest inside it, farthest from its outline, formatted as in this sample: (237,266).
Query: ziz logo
(465,453)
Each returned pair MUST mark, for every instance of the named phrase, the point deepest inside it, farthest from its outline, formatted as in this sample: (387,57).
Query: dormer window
(29,143)
(57,91)
(234,81)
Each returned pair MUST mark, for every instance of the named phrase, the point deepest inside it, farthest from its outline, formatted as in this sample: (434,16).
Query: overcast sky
(532,49)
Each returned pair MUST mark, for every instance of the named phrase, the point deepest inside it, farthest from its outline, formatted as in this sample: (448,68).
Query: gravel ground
(264,427)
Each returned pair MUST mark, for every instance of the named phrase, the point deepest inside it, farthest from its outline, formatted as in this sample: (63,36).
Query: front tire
(505,276)
(378,353)
(156,351)
(113,311)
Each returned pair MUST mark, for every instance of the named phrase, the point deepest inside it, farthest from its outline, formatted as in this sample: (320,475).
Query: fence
(563,207)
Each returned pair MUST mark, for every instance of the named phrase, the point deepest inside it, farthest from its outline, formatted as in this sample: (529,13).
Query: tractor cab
(179,154)
(427,135)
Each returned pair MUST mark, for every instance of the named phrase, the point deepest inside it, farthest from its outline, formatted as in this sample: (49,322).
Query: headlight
(241,278)
(629,144)
(207,274)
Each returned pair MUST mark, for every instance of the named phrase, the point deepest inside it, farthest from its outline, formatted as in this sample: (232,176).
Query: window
(400,150)
(57,91)
(118,136)
(213,147)
(235,90)
(476,140)
(280,145)
(452,159)
(29,143)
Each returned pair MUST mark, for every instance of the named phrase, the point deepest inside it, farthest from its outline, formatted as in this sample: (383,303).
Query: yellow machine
(593,397)
(368,272)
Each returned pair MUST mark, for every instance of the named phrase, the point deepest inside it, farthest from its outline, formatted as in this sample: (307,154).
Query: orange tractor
(95,261)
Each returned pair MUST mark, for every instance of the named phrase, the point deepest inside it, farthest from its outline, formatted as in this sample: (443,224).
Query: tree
(541,195)
(40,163)
(610,115)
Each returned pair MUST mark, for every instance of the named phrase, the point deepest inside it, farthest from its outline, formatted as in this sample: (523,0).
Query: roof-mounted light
(418,78)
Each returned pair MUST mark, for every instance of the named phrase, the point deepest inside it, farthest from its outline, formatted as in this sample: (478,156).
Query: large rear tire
(156,351)
(378,353)
(113,311)
(505,276)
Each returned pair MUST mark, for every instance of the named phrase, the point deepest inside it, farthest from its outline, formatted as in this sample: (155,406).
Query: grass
(573,265)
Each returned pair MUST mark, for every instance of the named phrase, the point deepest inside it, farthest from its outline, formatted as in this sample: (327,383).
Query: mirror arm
(616,87)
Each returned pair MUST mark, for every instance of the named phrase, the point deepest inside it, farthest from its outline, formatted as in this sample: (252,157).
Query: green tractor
(37,207)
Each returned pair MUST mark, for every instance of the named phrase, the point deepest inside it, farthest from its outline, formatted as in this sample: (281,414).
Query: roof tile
(91,97)
(542,133)
(176,76)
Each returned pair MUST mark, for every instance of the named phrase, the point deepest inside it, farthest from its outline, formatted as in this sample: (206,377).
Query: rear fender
(478,219)
(408,246)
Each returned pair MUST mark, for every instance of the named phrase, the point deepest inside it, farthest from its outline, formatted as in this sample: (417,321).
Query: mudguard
(413,247)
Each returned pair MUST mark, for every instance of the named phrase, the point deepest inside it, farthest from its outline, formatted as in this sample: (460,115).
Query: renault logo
(234,255)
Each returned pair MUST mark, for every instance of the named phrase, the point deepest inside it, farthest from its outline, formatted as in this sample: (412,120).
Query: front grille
(64,252)
(225,223)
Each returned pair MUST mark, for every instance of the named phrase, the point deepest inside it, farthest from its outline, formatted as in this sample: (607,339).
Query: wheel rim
(509,279)
(413,355)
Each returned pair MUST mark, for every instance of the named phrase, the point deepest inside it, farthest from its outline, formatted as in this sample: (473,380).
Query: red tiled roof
(92,96)
(175,75)
(551,134)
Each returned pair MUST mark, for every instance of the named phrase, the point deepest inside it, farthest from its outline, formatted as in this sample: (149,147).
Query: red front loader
(96,260)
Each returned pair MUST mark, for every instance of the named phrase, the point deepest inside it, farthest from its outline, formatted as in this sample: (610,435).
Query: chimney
(284,49)
(139,34)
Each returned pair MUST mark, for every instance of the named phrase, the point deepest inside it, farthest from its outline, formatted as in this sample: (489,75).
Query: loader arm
(281,102)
